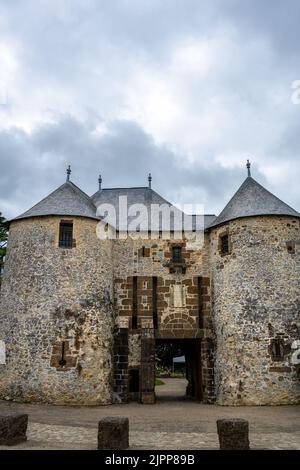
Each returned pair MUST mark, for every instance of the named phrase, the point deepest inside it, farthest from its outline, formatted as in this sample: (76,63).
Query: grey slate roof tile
(68,199)
(141,195)
(250,200)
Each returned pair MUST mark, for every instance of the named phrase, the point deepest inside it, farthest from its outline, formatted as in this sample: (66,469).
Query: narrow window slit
(134,303)
(154,302)
(200,302)
(62,361)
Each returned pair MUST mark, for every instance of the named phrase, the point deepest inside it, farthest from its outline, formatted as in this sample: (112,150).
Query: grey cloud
(35,164)
(85,52)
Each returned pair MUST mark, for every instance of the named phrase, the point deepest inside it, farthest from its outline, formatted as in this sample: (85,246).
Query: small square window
(291,248)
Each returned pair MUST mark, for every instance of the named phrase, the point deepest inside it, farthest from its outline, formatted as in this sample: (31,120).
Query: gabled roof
(251,200)
(139,195)
(66,200)
(145,196)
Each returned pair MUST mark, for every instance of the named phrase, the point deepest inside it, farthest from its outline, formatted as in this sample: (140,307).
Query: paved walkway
(172,389)
(169,424)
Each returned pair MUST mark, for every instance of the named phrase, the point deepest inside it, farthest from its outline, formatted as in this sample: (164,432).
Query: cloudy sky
(184,89)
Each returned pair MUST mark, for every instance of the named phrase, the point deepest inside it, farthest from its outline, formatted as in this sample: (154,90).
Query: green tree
(3,240)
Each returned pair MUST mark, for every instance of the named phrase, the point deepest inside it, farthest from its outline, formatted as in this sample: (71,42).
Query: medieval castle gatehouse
(81,315)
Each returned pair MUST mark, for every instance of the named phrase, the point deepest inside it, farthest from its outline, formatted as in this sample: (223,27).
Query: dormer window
(66,234)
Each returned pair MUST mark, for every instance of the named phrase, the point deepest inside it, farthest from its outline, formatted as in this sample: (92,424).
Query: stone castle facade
(80,316)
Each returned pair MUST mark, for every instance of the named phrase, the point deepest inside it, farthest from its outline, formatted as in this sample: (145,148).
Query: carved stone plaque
(178,295)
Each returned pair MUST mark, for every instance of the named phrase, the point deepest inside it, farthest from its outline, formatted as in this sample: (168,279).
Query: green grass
(159,382)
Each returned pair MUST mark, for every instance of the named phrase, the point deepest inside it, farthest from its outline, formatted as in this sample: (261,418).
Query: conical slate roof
(251,200)
(66,200)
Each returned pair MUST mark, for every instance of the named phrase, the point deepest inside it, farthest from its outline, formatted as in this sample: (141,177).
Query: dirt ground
(172,423)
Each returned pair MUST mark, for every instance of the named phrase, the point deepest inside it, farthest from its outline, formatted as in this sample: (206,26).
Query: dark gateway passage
(178,369)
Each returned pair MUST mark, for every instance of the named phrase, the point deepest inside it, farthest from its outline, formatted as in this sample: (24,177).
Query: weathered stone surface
(180,300)
(121,376)
(256,292)
(52,295)
(13,429)
(64,305)
(233,434)
(113,433)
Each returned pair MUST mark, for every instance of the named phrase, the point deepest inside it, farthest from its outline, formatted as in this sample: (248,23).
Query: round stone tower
(56,310)
(255,268)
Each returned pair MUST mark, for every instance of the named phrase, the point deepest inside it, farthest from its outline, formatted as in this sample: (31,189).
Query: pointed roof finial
(68,173)
(149,180)
(100,182)
(248,167)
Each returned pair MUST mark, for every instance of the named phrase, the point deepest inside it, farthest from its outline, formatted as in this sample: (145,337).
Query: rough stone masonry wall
(52,295)
(147,258)
(256,298)
(174,321)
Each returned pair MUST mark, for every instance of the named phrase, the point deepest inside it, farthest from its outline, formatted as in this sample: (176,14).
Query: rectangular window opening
(66,234)
(176,254)
(224,242)
(277,349)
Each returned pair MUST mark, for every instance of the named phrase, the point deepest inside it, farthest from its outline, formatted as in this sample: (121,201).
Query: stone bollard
(233,434)
(13,429)
(113,433)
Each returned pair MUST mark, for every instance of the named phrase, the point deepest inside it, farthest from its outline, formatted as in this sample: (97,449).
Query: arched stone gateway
(81,317)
